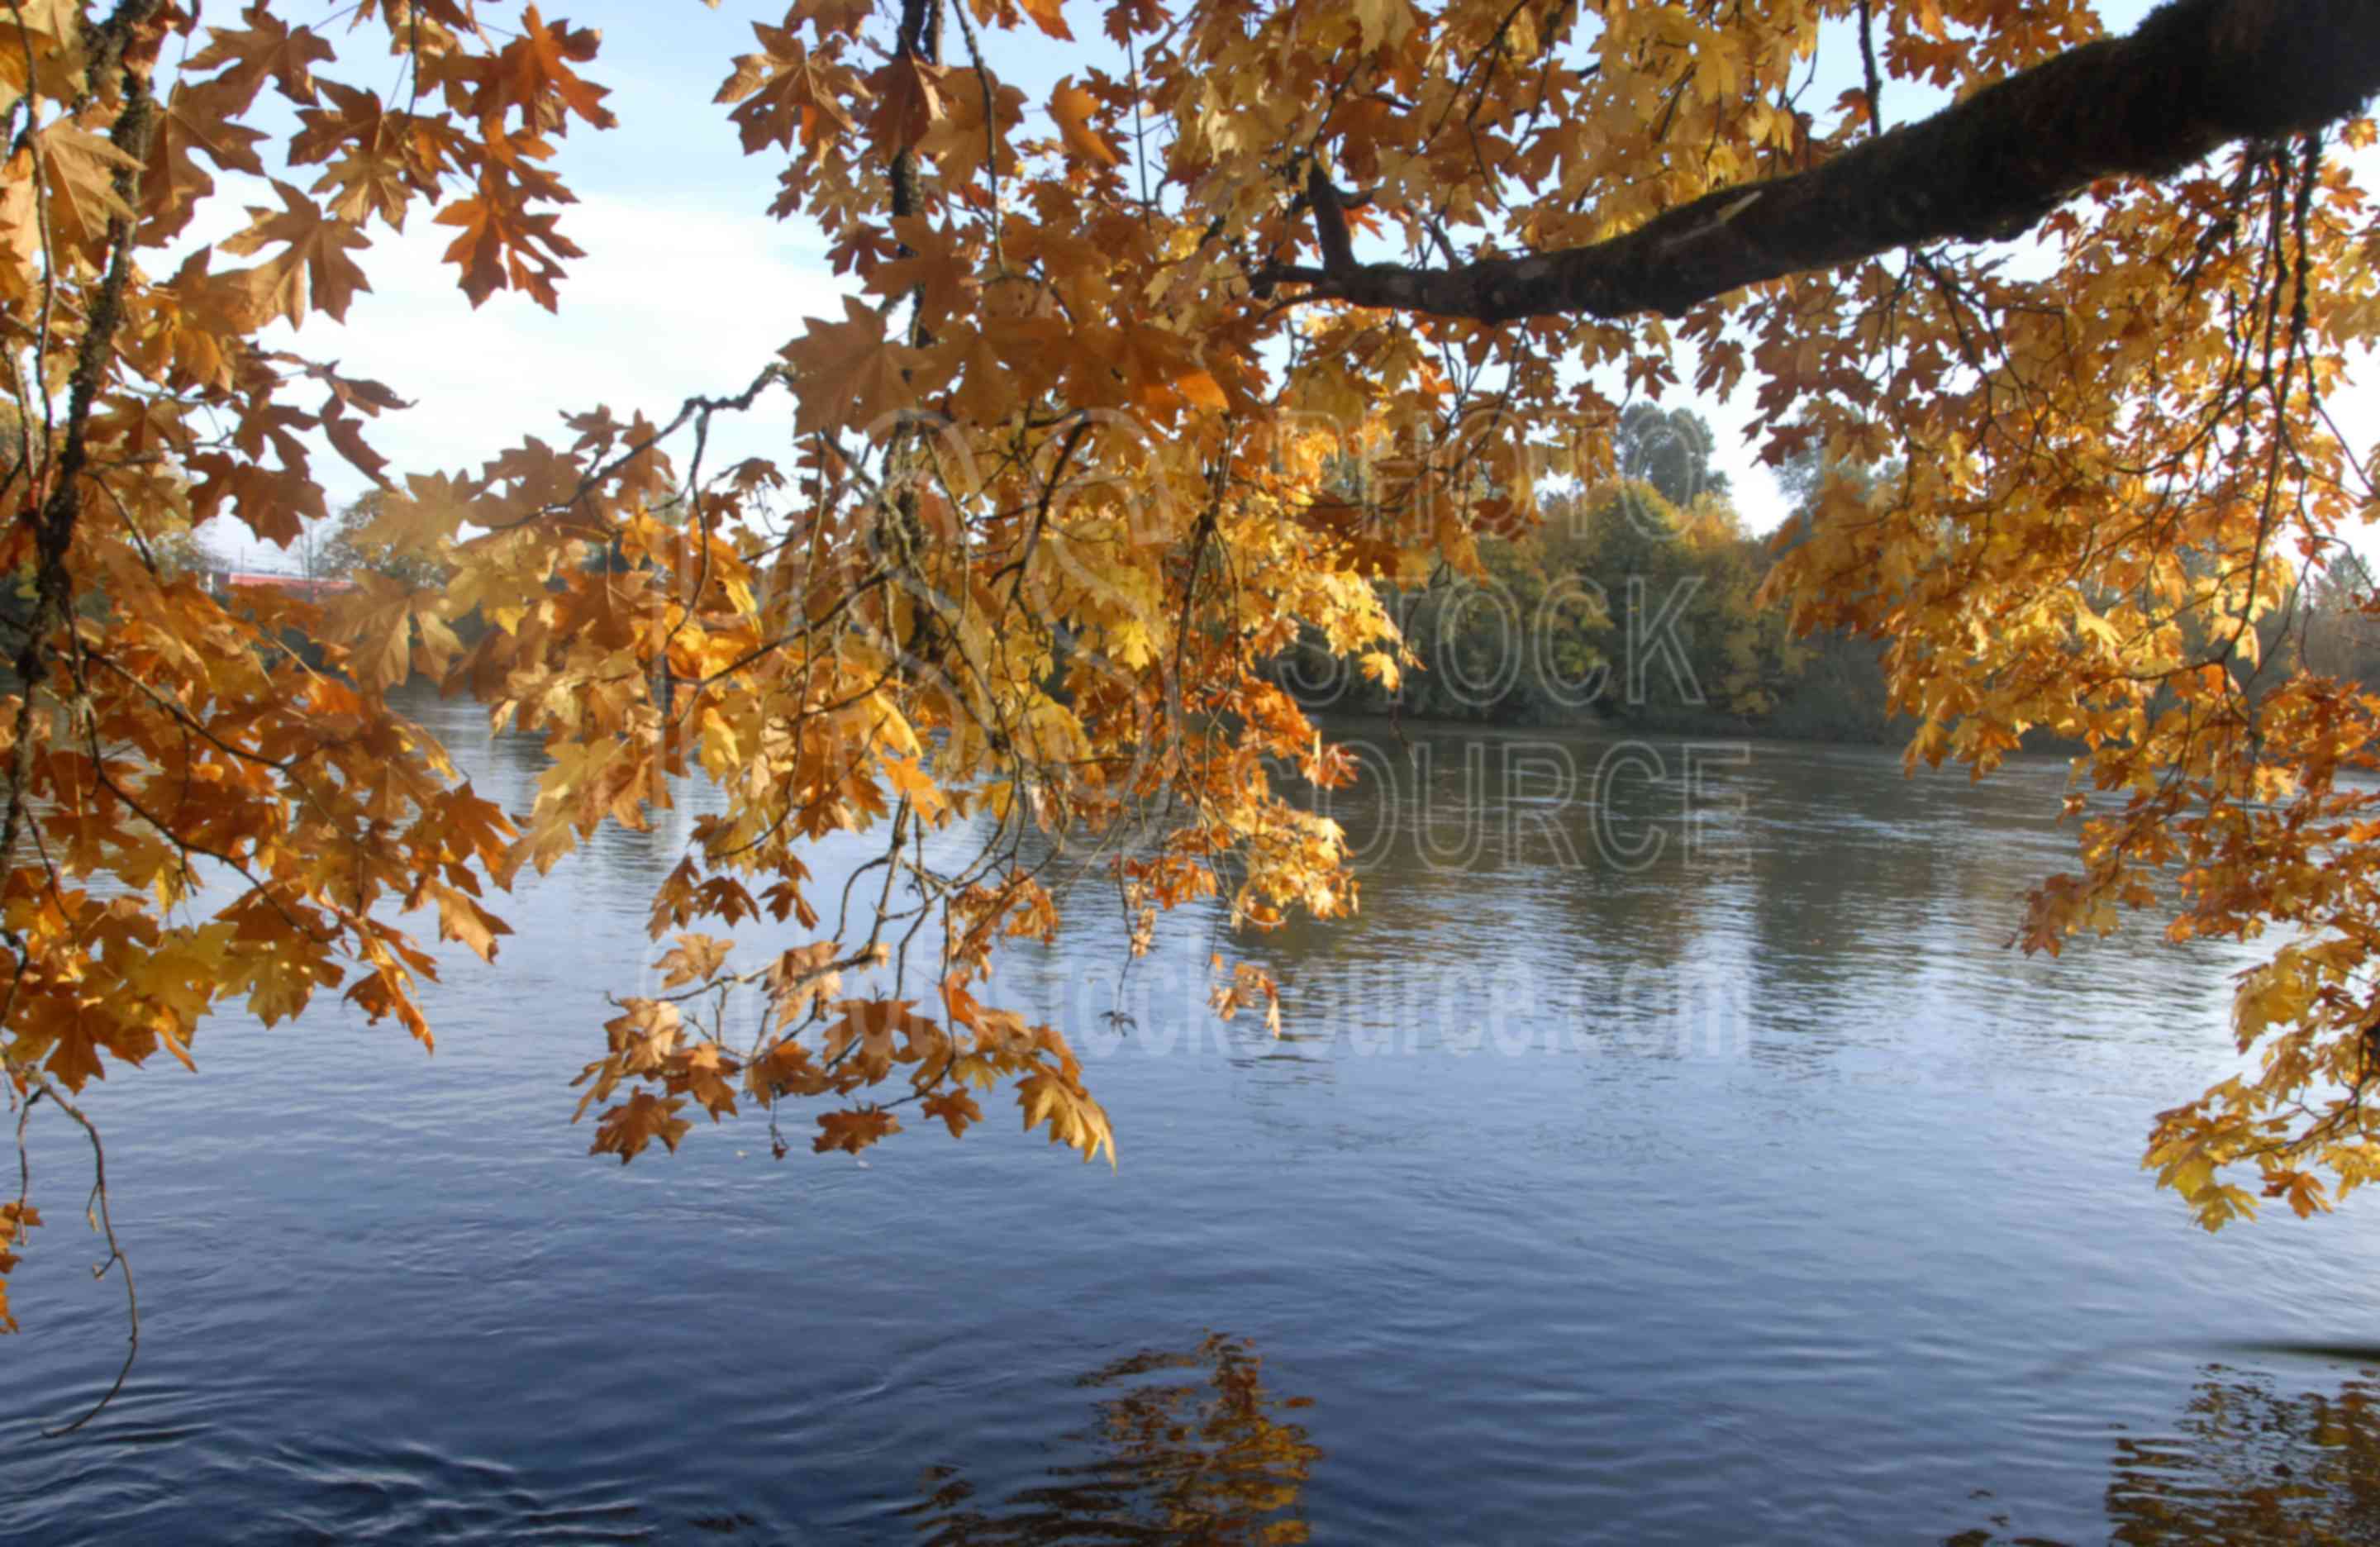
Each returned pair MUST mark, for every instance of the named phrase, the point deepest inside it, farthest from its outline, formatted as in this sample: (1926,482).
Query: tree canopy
(1069,477)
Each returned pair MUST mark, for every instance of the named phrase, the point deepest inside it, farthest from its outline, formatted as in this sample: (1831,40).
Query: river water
(1670,1151)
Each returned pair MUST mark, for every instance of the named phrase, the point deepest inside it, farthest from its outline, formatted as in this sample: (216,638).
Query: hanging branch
(2197,75)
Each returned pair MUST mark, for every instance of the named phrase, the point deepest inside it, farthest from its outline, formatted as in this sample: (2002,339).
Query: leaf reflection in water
(1208,1459)
(2250,1465)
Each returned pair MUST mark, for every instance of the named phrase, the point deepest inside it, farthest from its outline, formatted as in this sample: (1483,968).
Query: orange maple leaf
(266,49)
(849,373)
(790,91)
(908,101)
(499,246)
(625,1130)
(534,72)
(854,1131)
(315,271)
(1049,15)
(1070,108)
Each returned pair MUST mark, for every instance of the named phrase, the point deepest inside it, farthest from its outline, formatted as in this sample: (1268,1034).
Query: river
(1670,1151)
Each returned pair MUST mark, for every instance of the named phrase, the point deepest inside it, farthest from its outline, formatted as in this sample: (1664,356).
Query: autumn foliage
(1070,478)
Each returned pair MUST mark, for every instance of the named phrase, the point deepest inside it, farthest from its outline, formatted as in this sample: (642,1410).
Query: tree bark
(2197,75)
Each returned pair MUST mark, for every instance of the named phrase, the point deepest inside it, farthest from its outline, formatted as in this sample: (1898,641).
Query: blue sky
(687,286)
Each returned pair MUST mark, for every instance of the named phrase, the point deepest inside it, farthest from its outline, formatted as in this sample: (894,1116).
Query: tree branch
(2197,75)
(102,1221)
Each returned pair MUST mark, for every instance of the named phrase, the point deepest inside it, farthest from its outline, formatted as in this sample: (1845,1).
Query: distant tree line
(1637,603)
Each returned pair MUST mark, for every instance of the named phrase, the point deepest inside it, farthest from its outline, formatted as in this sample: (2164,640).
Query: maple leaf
(852,1131)
(175,183)
(1383,22)
(933,269)
(988,391)
(74,1034)
(80,169)
(382,618)
(626,1129)
(875,1033)
(848,375)
(48,58)
(500,247)
(461,917)
(266,49)
(1161,369)
(972,134)
(785,91)
(16,1218)
(346,437)
(1074,1120)
(908,776)
(861,247)
(535,68)
(803,978)
(702,1071)
(377,161)
(1048,15)
(832,19)
(1126,18)
(696,959)
(955,1108)
(315,270)
(908,93)
(381,993)
(1070,108)
(274,503)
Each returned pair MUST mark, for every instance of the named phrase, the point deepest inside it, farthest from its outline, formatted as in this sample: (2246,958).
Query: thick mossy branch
(2197,75)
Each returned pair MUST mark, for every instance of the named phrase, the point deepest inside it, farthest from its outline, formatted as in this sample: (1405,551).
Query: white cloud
(675,297)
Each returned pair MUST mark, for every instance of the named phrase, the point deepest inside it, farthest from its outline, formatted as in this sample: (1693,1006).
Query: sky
(689,286)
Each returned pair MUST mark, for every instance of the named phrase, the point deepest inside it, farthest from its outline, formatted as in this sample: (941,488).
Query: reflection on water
(2252,1464)
(1746,1189)
(2248,1464)
(1205,1459)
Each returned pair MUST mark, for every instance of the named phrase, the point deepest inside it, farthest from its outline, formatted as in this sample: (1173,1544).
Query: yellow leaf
(1070,108)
